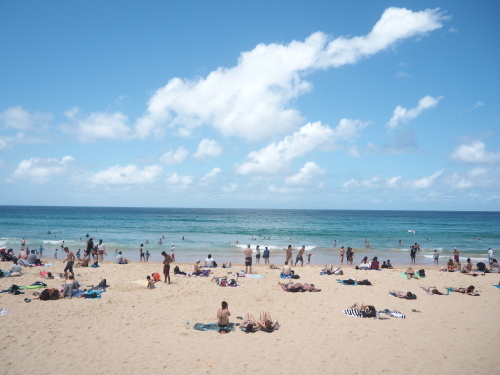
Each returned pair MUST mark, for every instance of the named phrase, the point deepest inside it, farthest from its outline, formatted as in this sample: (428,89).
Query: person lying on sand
(249,323)
(410,273)
(469,290)
(265,321)
(297,287)
(328,269)
(366,311)
(401,294)
(432,290)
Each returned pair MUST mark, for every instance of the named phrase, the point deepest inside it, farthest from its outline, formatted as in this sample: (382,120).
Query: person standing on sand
(436,257)
(70,258)
(248,259)
(266,255)
(289,257)
(166,265)
(300,256)
(490,255)
(101,250)
(257,255)
(141,253)
(456,254)
(342,252)
(413,253)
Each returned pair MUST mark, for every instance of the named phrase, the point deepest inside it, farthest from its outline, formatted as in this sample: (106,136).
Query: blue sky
(282,104)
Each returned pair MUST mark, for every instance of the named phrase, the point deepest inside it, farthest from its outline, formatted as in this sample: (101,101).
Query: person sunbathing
(297,287)
(432,290)
(328,269)
(401,294)
(249,323)
(265,321)
(410,273)
(366,311)
(469,290)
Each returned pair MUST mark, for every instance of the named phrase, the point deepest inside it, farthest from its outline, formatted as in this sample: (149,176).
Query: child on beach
(151,283)
(309,258)
(147,255)
(55,254)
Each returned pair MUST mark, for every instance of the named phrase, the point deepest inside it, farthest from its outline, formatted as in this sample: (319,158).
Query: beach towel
(276,327)
(496,286)
(253,276)
(426,291)
(353,312)
(3,312)
(393,313)
(405,276)
(213,327)
(285,277)
(92,295)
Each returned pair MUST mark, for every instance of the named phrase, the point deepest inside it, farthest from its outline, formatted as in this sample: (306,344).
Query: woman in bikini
(265,321)
(469,290)
(223,315)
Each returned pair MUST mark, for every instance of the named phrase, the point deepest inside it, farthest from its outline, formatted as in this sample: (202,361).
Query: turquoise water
(215,231)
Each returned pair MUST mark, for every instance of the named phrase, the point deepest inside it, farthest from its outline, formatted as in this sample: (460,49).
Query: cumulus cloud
(175,157)
(475,152)
(308,173)
(208,148)
(425,182)
(125,175)
(253,99)
(41,170)
(403,115)
(97,125)
(212,174)
(179,182)
(18,118)
(312,136)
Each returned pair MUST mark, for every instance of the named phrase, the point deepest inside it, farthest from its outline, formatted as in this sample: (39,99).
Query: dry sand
(132,330)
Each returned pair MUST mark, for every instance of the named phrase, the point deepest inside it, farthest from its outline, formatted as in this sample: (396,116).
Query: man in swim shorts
(300,256)
(166,265)
(248,260)
(70,258)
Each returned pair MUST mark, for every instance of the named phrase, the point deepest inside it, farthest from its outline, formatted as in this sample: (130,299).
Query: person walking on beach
(342,252)
(248,259)
(141,253)
(300,256)
(70,259)
(173,253)
(90,247)
(413,253)
(166,265)
(289,257)
(266,255)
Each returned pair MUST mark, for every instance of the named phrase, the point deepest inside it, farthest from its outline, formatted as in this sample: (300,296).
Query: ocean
(225,233)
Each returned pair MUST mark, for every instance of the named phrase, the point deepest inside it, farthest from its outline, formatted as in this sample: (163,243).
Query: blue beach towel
(213,327)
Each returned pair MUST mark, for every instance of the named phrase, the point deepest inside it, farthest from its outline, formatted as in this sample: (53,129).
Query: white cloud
(97,125)
(306,175)
(395,182)
(40,170)
(212,174)
(125,175)
(208,148)
(276,156)
(403,115)
(312,136)
(425,182)
(175,157)
(229,188)
(18,118)
(475,152)
(253,99)
(478,104)
(180,182)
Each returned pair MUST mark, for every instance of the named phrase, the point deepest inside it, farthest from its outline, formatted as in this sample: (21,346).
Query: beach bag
(349,282)
(364,282)
(156,276)
(295,277)
(421,273)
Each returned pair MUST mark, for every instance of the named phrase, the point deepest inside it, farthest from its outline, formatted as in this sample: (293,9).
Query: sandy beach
(133,330)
